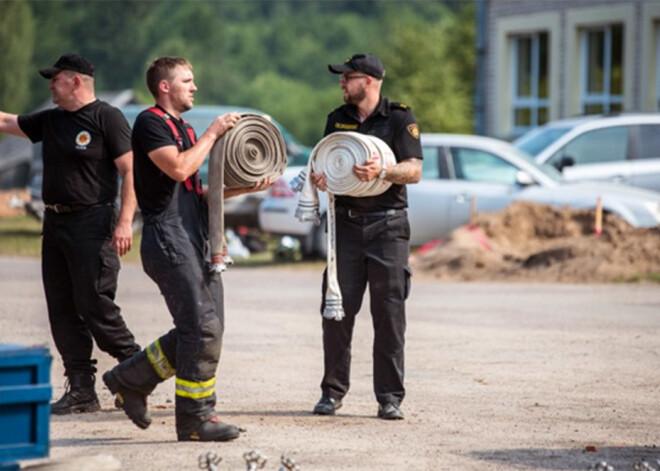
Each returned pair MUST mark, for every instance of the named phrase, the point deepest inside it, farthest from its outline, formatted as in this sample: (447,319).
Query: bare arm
(122,238)
(259,186)
(9,124)
(402,173)
(180,165)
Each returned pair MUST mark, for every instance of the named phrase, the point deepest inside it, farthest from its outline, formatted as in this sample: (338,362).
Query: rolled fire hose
(246,154)
(335,156)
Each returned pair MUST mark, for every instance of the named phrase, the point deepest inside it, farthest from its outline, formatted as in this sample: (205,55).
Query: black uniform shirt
(153,188)
(395,124)
(79,149)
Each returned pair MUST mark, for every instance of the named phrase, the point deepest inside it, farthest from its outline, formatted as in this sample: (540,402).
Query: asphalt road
(499,376)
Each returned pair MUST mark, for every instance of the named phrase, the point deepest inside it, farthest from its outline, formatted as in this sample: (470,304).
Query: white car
(622,148)
(463,173)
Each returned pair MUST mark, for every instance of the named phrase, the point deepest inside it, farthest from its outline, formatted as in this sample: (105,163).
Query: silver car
(462,174)
(623,148)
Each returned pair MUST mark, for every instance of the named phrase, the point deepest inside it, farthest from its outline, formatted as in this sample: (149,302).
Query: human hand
(261,185)
(122,238)
(369,171)
(319,180)
(224,123)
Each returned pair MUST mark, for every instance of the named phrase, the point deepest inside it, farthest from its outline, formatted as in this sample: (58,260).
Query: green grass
(21,235)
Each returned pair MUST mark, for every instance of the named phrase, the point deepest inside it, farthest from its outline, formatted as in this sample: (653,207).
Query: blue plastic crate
(25,393)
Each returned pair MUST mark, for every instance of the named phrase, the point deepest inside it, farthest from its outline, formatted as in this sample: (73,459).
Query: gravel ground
(500,376)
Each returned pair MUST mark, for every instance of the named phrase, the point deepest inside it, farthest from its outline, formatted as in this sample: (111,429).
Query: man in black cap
(86,147)
(372,239)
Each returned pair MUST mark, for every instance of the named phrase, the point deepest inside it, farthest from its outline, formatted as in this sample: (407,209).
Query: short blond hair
(161,69)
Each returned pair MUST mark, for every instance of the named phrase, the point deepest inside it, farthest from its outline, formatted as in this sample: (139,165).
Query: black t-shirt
(79,150)
(396,125)
(153,188)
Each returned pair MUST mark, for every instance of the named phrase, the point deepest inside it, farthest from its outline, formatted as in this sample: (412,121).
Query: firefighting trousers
(191,350)
(371,251)
(79,272)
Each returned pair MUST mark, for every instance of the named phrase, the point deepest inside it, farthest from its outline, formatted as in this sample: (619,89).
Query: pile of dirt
(534,242)
(12,201)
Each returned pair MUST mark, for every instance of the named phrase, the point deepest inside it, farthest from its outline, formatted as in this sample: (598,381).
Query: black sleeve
(151,132)
(117,132)
(33,125)
(406,136)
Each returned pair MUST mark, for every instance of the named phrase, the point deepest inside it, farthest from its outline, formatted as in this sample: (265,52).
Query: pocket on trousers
(407,280)
(166,239)
(108,270)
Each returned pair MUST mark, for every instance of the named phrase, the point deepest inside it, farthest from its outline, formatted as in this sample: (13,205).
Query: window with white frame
(530,77)
(602,69)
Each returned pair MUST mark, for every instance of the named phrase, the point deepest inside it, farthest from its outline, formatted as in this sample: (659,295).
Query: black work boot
(211,430)
(133,402)
(79,397)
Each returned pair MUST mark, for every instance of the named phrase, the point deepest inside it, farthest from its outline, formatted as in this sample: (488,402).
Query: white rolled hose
(246,154)
(336,155)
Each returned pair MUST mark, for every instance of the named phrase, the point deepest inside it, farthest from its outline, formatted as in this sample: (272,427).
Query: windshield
(534,141)
(548,170)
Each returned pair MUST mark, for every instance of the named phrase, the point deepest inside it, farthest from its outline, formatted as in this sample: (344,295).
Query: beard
(355,97)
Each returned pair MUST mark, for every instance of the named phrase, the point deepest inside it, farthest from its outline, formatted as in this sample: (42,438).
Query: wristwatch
(383,173)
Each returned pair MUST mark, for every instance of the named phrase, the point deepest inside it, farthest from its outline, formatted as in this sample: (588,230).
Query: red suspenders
(192,182)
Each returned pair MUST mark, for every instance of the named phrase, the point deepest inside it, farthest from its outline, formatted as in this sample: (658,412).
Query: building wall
(564,21)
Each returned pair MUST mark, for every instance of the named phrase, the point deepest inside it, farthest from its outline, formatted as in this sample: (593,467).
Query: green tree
(430,67)
(17,39)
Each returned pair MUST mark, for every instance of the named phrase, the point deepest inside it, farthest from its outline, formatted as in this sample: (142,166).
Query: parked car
(240,210)
(622,148)
(460,171)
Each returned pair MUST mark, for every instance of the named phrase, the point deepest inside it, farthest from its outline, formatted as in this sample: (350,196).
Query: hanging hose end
(296,184)
(217,268)
(219,264)
(333,309)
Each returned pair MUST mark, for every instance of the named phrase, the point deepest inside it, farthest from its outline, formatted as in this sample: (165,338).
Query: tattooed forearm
(408,171)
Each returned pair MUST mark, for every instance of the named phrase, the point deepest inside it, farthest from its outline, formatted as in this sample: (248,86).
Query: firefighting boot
(211,430)
(132,381)
(79,397)
(133,402)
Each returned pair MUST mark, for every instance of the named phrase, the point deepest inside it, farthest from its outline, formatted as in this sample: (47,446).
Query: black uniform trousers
(373,251)
(194,298)
(79,272)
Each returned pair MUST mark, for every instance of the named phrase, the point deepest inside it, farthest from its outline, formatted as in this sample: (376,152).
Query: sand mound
(528,241)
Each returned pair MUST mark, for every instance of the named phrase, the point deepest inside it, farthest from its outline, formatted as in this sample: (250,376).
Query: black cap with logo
(366,63)
(71,62)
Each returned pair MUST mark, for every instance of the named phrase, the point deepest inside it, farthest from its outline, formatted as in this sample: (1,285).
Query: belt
(351,213)
(70,208)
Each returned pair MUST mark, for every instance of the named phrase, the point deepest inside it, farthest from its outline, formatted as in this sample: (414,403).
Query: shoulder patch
(399,105)
(413,130)
(349,127)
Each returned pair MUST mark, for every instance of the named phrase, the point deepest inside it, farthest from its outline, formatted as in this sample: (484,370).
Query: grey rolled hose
(246,154)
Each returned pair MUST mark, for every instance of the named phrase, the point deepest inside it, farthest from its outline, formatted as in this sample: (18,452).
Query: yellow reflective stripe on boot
(194,389)
(159,361)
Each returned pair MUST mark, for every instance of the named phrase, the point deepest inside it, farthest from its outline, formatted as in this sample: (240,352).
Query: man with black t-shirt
(372,237)
(86,147)
(173,249)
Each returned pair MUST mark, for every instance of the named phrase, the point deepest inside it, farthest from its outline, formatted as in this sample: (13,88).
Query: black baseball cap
(71,62)
(367,63)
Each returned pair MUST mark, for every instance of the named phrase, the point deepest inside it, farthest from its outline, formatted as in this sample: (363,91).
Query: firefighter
(173,204)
